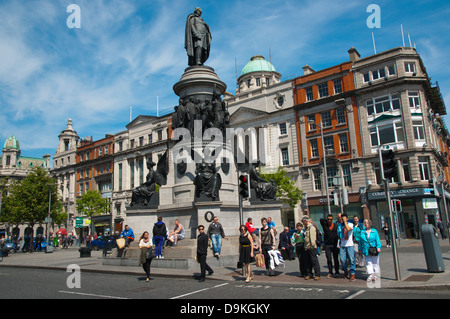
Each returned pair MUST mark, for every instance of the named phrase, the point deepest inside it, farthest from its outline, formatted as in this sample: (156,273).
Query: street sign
(429,203)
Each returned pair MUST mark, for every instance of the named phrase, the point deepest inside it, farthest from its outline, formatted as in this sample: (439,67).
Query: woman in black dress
(246,251)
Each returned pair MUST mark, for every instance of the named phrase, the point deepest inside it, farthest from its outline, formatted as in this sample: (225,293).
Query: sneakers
(370,278)
(352,277)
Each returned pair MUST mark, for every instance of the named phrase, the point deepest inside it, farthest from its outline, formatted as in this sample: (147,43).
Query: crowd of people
(348,244)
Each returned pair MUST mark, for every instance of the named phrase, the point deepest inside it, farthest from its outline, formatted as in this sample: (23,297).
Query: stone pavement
(413,268)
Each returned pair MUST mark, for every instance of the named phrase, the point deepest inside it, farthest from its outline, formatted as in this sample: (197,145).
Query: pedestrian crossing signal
(244,186)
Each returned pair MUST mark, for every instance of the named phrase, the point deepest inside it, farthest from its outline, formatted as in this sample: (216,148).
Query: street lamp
(324,163)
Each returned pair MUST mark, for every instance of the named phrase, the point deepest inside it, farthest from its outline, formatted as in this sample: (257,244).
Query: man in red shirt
(253,231)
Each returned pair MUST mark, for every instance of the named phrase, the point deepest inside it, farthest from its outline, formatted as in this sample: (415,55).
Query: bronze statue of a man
(197,38)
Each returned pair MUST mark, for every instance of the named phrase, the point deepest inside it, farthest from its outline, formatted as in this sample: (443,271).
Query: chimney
(354,54)
(307,70)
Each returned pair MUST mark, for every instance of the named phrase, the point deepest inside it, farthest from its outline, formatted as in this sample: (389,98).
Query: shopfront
(418,206)
(318,207)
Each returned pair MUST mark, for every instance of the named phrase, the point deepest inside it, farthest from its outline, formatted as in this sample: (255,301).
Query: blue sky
(131,53)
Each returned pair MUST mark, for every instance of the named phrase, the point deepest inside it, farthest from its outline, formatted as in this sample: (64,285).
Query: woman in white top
(144,244)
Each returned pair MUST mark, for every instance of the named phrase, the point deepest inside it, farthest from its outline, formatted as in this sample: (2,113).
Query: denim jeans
(216,240)
(159,241)
(348,253)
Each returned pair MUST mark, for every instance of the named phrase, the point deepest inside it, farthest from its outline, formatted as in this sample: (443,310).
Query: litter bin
(431,248)
(85,252)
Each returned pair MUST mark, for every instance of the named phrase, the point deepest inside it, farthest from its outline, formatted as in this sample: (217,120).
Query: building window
(337,86)
(346,171)
(309,94)
(131,143)
(378,74)
(383,104)
(150,138)
(120,146)
(323,89)
(160,135)
(391,70)
(414,99)
(366,77)
(424,168)
(326,118)
(106,149)
(314,148)
(406,171)
(317,179)
(258,82)
(331,172)
(267,81)
(141,171)
(81,188)
(340,114)
(120,177)
(100,151)
(283,129)
(418,130)
(8,160)
(410,67)
(141,141)
(329,145)
(132,174)
(312,122)
(285,156)
(386,133)
(343,142)
(248,83)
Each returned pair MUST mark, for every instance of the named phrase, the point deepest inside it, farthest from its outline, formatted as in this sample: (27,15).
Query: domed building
(14,165)
(256,74)
(263,109)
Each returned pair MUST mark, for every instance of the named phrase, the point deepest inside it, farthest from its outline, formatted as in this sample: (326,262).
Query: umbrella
(62,231)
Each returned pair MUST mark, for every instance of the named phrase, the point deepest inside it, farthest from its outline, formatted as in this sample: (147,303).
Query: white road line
(356,294)
(91,295)
(197,291)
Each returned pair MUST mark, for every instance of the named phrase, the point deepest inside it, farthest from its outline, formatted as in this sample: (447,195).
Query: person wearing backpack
(310,245)
(159,233)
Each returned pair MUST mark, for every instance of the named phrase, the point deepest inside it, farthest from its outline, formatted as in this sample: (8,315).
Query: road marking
(197,291)
(91,295)
(356,294)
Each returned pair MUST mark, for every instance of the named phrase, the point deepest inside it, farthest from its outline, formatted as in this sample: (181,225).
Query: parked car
(9,245)
(99,243)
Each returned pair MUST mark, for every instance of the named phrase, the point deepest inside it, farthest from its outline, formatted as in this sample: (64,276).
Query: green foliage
(91,204)
(28,199)
(287,191)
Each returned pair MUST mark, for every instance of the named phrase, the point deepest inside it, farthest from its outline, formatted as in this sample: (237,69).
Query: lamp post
(324,163)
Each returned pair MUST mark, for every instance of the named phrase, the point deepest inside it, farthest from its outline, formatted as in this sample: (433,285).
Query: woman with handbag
(370,246)
(147,251)
(246,251)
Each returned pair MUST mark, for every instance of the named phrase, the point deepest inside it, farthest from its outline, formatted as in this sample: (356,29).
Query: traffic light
(389,164)
(396,205)
(243,186)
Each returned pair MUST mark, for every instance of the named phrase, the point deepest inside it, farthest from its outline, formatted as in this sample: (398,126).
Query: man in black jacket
(202,251)
(331,240)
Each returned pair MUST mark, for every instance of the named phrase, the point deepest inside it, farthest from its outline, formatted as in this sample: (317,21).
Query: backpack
(319,238)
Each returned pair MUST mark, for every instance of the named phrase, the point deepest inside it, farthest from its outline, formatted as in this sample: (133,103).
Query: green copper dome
(257,64)
(11,143)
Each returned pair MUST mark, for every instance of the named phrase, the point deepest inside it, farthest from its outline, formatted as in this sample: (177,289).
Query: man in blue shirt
(128,234)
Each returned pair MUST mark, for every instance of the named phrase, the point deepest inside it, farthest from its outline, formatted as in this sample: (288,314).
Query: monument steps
(181,256)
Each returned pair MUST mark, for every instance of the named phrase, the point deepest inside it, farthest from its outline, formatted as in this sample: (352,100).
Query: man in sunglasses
(202,251)
(330,241)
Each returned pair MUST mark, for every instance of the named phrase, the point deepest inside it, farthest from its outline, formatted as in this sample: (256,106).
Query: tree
(28,199)
(287,191)
(91,204)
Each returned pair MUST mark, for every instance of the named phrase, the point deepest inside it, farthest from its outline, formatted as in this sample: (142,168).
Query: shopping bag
(259,260)
(121,243)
